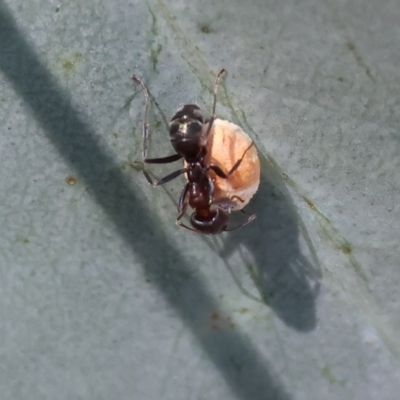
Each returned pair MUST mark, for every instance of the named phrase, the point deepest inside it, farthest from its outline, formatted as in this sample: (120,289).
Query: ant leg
(216,83)
(224,175)
(145,129)
(182,225)
(183,203)
(234,197)
(146,111)
(163,160)
(250,219)
(183,200)
(228,204)
(166,178)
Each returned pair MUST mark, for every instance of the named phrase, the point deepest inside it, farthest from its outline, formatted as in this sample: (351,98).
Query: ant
(188,134)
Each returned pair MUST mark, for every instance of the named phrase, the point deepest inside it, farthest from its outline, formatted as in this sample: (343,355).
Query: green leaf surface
(103,296)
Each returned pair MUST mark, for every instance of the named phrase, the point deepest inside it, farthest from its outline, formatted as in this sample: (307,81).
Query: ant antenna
(250,219)
(216,83)
(146,111)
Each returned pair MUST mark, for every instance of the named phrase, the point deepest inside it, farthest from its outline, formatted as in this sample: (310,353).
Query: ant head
(186,131)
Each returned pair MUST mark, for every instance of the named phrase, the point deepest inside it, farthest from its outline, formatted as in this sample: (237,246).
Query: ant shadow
(287,279)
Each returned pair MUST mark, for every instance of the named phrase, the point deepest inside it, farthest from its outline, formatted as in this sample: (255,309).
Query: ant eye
(175,129)
(194,129)
(197,114)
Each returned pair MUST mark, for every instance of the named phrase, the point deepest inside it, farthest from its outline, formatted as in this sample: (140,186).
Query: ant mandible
(188,134)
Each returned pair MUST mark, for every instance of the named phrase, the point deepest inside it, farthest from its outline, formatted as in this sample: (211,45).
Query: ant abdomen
(212,223)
